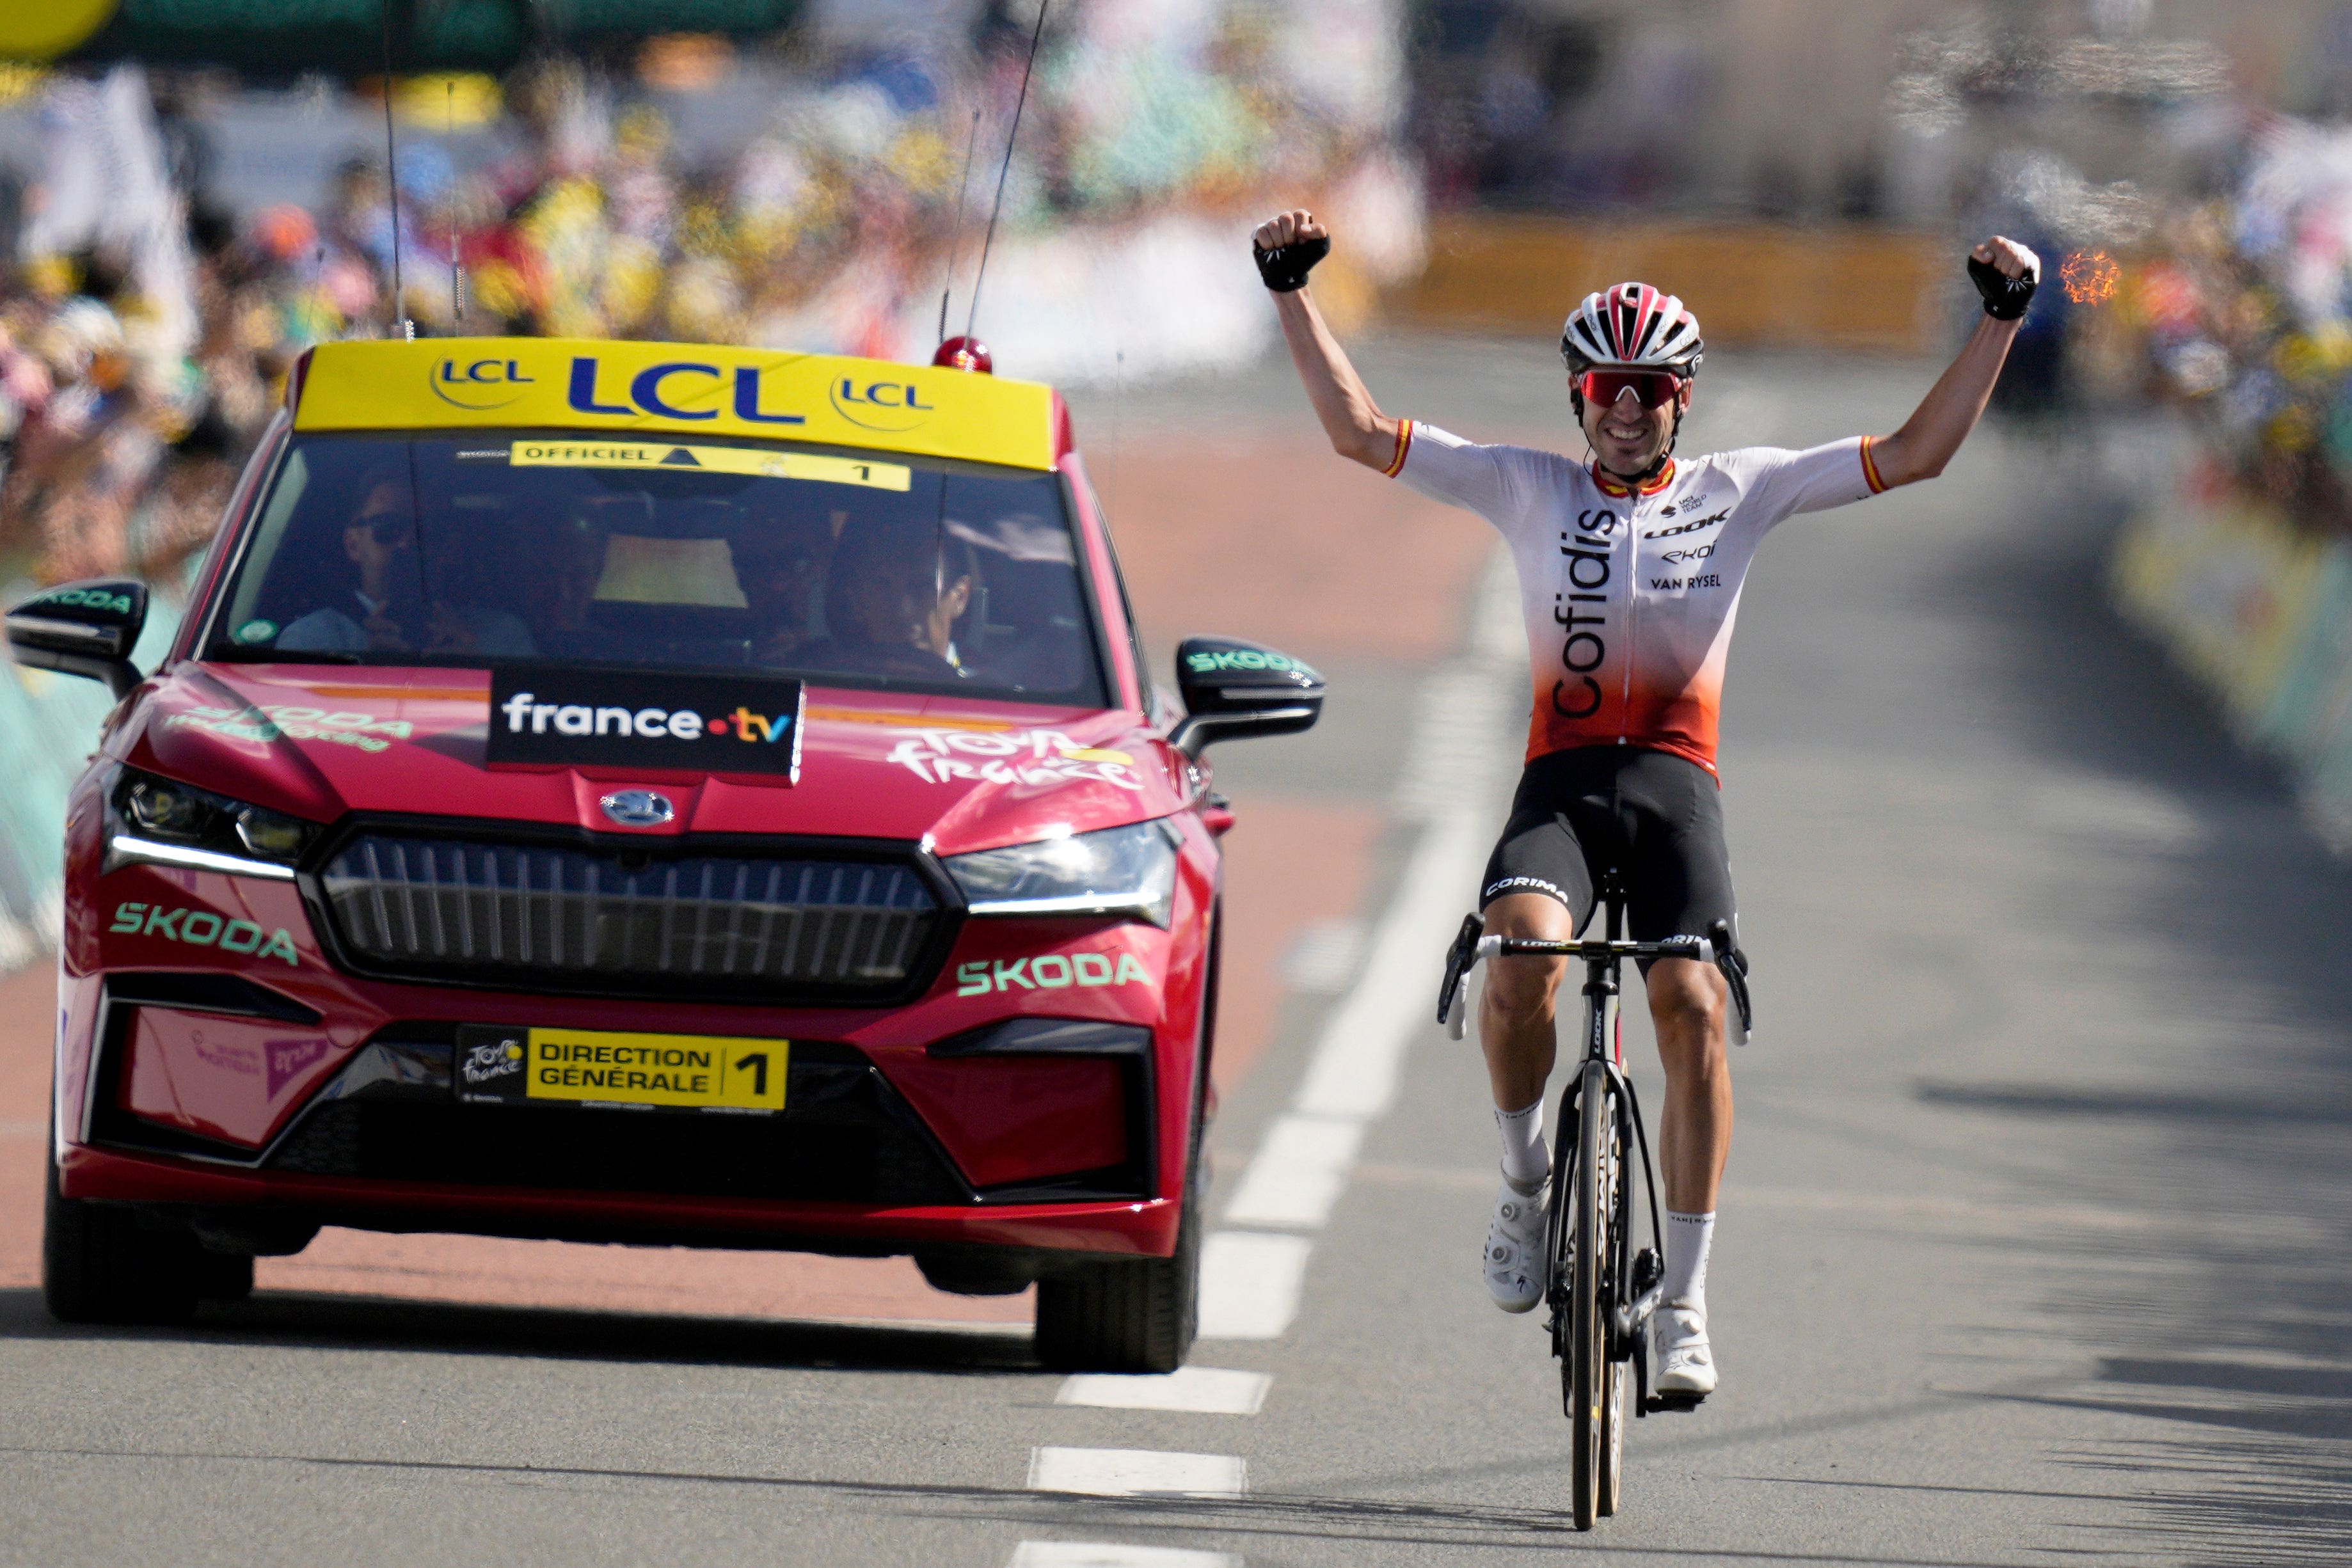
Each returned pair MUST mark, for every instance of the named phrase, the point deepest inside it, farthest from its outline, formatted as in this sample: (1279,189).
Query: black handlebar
(1717,948)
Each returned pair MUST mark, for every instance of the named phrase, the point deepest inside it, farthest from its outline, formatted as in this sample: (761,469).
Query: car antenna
(1006,168)
(955,236)
(456,257)
(392,181)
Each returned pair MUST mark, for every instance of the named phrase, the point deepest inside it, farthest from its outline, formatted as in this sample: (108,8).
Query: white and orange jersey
(1630,596)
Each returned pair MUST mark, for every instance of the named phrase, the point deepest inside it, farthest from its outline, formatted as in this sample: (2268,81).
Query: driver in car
(892,600)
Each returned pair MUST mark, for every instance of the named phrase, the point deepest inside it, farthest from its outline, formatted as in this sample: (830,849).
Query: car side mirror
(1234,689)
(85,628)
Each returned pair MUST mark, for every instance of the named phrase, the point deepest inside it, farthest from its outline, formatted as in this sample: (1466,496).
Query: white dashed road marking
(1137,1472)
(1250,1283)
(1207,1390)
(1251,1279)
(1099,1554)
(1353,1075)
(1298,1174)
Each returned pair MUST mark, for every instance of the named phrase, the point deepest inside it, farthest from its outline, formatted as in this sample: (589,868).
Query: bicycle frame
(1603,1037)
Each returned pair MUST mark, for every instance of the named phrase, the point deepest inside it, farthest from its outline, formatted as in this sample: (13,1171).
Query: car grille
(571,918)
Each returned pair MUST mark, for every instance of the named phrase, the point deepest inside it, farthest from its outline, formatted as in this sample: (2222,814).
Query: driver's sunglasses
(1651,389)
(390,529)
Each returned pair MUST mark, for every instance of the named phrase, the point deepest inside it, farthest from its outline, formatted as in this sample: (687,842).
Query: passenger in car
(381,590)
(782,566)
(385,589)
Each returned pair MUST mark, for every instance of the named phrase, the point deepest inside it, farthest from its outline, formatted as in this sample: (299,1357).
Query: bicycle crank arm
(1630,1318)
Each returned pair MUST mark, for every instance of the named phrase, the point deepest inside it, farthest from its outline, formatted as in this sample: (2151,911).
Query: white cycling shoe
(1514,1255)
(1685,1360)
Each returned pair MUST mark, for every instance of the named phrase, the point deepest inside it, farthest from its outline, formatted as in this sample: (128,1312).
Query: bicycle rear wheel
(1587,1370)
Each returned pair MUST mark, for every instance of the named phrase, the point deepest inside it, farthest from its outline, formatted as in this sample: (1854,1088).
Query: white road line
(1208,1390)
(1356,1065)
(1103,1555)
(1298,1173)
(1250,1283)
(1137,1472)
(1323,958)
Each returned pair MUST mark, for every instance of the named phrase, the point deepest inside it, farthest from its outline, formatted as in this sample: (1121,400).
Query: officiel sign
(633,719)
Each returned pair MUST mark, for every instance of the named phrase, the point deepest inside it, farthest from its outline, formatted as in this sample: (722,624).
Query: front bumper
(1145,1227)
(325,1098)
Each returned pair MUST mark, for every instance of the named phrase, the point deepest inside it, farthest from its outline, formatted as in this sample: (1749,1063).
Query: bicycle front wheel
(1616,1221)
(1587,1369)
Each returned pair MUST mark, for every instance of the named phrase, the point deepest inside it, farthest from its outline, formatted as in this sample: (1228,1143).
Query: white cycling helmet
(1631,324)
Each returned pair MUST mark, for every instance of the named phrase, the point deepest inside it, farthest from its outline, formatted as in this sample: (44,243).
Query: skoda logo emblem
(638,807)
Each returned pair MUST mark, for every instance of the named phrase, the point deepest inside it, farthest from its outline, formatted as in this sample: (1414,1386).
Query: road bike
(1600,1291)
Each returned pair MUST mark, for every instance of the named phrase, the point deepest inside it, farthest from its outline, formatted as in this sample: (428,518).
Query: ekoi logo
(480,384)
(1049,972)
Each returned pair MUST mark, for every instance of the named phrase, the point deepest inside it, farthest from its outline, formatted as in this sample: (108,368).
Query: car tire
(100,1264)
(224,1277)
(1130,1314)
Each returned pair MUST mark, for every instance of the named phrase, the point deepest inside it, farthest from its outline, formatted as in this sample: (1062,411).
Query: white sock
(1688,1236)
(1525,1163)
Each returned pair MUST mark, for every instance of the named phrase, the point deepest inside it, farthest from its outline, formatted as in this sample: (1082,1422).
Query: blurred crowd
(2247,310)
(137,369)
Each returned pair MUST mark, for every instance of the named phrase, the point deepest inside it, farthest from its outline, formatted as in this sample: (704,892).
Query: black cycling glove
(2005,297)
(1286,267)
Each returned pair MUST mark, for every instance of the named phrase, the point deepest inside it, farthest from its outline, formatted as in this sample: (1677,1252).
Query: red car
(642,792)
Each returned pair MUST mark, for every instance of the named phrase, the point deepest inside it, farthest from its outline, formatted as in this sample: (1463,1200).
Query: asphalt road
(2032,1248)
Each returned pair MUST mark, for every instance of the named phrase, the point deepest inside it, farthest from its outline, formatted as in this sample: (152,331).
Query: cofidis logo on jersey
(640,718)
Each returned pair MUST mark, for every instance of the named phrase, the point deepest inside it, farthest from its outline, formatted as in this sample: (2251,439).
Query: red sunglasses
(1651,389)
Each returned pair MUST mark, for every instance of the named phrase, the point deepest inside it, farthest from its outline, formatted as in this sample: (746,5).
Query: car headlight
(1119,871)
(165,822)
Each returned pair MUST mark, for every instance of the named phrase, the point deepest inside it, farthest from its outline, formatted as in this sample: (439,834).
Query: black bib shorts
(1656,817)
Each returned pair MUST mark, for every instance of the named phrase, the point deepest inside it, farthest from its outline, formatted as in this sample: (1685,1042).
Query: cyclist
(1630,565)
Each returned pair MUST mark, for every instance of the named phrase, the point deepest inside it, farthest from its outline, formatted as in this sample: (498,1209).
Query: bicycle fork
(1641,1276)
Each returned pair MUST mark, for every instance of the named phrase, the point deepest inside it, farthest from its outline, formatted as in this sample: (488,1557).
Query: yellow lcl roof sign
(676,389)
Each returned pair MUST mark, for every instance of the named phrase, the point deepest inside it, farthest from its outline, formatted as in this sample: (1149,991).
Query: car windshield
(846,568)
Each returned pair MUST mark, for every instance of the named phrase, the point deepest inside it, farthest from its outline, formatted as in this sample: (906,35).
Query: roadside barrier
(2261,612)
(1851,287)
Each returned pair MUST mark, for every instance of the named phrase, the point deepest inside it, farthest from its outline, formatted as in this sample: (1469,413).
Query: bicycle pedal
(1658,1404)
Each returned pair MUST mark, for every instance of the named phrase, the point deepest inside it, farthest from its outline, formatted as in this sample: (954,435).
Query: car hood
(318,742)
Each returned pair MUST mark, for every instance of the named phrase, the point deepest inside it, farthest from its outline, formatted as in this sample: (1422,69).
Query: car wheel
(225,1276)
(99,1265)
(1129,1315)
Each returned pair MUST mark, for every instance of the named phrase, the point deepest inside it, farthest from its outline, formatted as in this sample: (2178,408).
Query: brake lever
(1734,965)
(1459,959)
